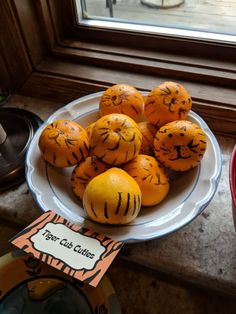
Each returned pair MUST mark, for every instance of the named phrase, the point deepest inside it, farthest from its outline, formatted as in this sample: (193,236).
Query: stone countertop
(203,252)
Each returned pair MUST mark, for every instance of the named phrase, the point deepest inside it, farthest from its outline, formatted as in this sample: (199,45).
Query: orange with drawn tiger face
(167,102)
(115,139)
(180,145)
(64,143)
(151,178)
(122,98)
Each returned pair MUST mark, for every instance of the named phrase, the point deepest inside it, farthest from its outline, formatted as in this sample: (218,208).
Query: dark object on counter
(20,126)
(28,285)
(45,296)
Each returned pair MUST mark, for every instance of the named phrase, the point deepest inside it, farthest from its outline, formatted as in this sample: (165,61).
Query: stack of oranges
(121,160)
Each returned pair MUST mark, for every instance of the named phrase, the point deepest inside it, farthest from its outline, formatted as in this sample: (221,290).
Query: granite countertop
(203,252)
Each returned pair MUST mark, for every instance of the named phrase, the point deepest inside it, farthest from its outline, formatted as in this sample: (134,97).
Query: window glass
(210,19)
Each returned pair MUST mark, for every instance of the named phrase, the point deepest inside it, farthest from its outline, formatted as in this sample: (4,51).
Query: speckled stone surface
(145,293)
(204,252)
(7,231)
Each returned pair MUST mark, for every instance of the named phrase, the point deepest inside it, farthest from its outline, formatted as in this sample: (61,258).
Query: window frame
(68,61)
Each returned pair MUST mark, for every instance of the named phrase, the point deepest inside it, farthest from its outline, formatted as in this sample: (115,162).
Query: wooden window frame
(44,53)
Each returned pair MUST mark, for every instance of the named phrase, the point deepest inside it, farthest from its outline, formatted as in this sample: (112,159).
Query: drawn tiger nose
(178,148)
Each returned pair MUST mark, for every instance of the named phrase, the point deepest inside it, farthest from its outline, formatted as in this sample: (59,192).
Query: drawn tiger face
(64,143)
(122,98)
(167,102)
(115,139)
(180,145)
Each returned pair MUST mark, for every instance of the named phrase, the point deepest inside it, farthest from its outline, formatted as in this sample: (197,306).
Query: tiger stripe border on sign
(77,251)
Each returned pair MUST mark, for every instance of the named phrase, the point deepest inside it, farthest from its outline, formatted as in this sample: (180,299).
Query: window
(60,58)
(212,20)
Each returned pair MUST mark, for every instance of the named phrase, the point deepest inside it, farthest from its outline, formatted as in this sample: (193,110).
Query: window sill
(61,80)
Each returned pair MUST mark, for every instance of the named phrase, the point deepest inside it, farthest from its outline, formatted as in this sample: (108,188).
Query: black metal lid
(20,126)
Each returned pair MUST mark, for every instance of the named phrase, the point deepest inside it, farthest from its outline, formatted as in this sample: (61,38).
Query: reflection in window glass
(209,16)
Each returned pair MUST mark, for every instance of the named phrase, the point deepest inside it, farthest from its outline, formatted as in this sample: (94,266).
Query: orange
(115,139)
(64,143)
(180,145)
(151,178)
(112,197)
(167,102)
(122,98)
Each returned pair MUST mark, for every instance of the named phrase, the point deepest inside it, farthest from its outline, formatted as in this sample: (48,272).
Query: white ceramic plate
(189,194)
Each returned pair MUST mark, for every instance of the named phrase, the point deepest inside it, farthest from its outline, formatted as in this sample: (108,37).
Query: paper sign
(71,248)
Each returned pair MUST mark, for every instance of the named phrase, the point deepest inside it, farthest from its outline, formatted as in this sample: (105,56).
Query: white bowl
(189,194)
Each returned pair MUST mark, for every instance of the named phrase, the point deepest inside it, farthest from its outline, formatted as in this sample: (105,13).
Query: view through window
(212,19)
